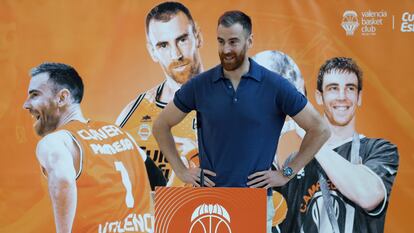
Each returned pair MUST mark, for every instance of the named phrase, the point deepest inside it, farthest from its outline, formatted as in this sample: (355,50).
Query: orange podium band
(210,210)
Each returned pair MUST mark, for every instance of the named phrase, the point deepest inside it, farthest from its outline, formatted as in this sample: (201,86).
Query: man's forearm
(315,137)
(311,143)
(354,181)
(63,194)
(165,140)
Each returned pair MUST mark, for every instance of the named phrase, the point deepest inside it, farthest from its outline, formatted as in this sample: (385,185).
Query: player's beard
(192,67)
(48,119)
(236,62)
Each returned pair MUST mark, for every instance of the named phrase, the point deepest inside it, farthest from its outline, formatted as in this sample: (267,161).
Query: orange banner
(106,42)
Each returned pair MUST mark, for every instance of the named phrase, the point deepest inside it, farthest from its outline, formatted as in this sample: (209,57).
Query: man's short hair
(62,76)
(230,18)
(340,64)
(165,11)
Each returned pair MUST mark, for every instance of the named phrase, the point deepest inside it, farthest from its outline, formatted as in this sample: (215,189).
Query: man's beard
(42,128)
(192,68)
(237,59)
(48,120)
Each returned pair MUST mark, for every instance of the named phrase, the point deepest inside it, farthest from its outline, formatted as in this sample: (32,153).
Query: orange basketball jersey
(138,122)
(112,183)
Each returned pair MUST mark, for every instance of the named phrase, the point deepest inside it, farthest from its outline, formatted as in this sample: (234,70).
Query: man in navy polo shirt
(241,108)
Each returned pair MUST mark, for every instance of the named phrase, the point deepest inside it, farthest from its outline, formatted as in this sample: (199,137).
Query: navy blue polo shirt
(238,131)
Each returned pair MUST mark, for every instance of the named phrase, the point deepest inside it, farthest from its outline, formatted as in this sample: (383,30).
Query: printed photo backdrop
(105,42)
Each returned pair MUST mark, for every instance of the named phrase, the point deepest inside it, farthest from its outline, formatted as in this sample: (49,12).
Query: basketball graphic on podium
(210,218)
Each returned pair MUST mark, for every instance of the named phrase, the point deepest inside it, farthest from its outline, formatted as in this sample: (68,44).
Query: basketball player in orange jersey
(173,40)
(95,172)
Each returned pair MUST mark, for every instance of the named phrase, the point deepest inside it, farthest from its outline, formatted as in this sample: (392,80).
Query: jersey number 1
(129,199)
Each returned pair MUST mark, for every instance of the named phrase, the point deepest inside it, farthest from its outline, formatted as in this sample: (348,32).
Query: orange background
(105,41)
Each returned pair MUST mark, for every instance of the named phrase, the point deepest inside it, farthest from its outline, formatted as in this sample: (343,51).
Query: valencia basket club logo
(209,218)
(350,22)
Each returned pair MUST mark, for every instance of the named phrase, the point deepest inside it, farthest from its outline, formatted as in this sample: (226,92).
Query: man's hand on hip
(267,179)
(192,176)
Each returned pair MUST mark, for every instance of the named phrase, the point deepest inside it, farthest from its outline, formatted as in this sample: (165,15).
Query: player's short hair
(62,76)
(165,11)
(230,18)
(340,64)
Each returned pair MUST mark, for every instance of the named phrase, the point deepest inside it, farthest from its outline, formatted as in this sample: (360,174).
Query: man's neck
(72,113)
(341,133)
(235,75)
(170,87)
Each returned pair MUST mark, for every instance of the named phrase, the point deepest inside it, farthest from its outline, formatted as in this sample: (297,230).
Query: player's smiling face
(42,104)
(174,44)
(339,97)
(233,43)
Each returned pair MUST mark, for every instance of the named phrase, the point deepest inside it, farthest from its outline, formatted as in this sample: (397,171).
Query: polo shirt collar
(254,72)
(218,73)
